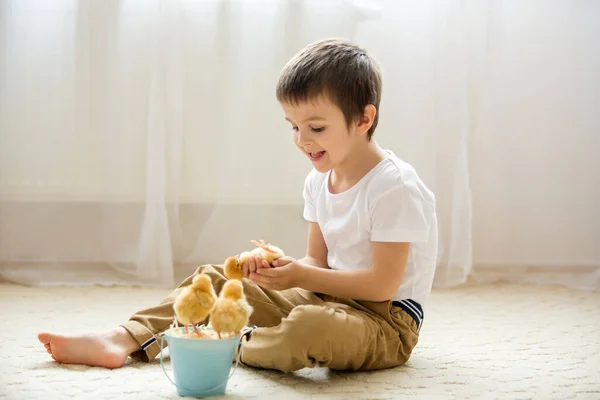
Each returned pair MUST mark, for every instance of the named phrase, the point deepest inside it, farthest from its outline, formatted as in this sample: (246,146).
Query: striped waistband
(412,308)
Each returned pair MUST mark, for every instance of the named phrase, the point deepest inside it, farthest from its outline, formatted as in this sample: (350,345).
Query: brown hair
(337,68)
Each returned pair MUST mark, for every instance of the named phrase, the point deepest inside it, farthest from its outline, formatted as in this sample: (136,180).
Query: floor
(500,341)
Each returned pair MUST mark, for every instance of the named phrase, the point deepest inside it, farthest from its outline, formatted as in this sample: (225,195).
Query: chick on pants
(297,328)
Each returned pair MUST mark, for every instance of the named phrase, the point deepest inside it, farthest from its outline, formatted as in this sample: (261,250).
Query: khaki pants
(297,329)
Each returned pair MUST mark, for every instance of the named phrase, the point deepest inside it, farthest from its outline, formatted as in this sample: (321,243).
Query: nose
(301,138)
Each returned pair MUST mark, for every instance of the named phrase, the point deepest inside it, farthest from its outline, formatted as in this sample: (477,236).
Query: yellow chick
(233,269)
(268,252)
(195,302)
(231,312)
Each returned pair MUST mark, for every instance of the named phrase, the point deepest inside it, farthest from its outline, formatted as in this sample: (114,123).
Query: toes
(44,337)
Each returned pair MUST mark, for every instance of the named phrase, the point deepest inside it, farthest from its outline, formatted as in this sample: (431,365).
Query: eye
(317,130)
(294,128)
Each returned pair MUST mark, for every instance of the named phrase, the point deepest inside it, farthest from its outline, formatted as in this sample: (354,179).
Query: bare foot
(108,349)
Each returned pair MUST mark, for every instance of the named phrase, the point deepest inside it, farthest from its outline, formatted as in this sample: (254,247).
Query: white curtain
(142,138)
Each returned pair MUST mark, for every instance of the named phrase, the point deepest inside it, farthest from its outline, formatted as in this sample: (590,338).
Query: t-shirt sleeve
(400,214)
(310,212)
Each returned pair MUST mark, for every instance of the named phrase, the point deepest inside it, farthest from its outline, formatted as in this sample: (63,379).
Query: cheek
(296,140)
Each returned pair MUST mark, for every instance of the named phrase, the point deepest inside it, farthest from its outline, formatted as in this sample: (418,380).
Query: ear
(365,122)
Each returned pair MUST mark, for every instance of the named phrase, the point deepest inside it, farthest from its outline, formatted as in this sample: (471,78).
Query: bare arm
(316,252)
(378,283)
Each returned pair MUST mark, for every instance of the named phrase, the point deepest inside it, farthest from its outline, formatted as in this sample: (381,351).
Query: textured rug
(496,341)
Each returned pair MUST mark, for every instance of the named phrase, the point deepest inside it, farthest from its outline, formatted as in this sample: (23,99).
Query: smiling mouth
(316,156)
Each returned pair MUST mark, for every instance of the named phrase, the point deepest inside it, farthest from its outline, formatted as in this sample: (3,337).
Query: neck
(359,161)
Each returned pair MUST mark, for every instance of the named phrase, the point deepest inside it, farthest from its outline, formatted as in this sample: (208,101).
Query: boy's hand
(287,273)
(253,263)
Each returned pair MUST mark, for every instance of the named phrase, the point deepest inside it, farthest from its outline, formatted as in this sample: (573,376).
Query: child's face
(320,131)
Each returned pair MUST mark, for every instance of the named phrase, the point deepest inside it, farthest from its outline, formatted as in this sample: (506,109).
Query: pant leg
(339,334)
(146,326)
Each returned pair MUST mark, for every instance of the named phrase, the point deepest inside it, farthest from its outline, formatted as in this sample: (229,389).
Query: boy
(355,301)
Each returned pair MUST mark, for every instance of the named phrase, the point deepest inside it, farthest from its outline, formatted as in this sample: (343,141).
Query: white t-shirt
(389,204)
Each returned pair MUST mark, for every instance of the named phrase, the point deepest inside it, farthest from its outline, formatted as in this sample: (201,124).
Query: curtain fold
(141,138)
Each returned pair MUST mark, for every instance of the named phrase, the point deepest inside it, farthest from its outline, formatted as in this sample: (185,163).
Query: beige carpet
(488,342)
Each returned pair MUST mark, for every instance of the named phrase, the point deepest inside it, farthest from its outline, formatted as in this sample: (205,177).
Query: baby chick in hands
(195,302)
(231,312)
(267,252)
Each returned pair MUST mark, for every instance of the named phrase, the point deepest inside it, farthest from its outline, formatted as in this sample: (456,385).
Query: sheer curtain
(139,139)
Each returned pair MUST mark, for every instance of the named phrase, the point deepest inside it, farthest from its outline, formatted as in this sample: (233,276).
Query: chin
(322,168)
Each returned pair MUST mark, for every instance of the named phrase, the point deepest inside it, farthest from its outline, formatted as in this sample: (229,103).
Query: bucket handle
(162,341)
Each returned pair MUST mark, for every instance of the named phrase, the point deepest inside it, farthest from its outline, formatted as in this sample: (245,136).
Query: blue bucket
(201,367)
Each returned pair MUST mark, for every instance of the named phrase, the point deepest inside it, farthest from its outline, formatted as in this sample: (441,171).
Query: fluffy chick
(233,268)
(231,312)
(195,302)
(268,252)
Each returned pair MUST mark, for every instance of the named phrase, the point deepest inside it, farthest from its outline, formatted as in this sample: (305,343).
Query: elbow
(387,297)
(385,287)
(383,290)
(384,294)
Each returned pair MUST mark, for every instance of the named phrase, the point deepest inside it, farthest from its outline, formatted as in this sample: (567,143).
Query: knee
(206,269)
(215,273)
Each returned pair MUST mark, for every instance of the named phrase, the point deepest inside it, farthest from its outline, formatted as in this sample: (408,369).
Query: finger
(280,262)
(246,268)
(251,264)
(257,261)
(269,272)
(265,264)
(260,280)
